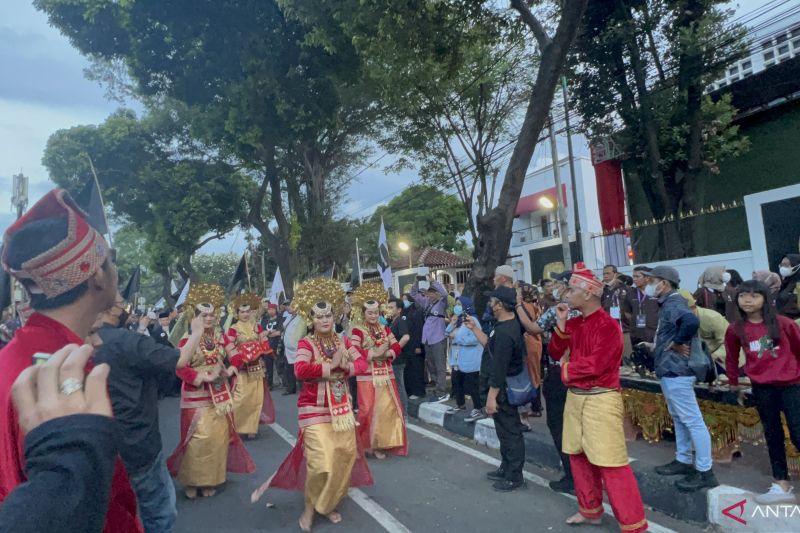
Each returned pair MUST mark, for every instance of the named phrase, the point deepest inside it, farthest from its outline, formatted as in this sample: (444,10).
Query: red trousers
(623,493)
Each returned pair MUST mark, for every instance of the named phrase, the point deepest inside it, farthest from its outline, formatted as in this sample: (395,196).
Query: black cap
(164,314)
(507,295)
(561,276)
(665,272)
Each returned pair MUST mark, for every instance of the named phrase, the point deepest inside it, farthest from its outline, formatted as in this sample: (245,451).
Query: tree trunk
(494,228)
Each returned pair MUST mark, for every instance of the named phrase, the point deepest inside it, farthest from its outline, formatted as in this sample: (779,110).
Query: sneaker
(456,409)
(413,397)
(443,398)
(776,494)
(565,485)
(697,481)
(504,485)
(474,416)
(675,468)
(496,475)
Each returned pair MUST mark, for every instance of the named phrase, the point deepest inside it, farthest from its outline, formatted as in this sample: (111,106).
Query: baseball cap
(665,272)
(561,276)
(507,295)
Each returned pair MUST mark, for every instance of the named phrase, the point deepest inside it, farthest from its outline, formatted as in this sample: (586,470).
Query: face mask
(650,290)
(786,271)
(382,320)
(726,277)
(458,310)
(556,294)
(406,304)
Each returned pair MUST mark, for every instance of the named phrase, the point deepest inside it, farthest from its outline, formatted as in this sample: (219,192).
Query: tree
(641,71)
(446,38)
(259,93)
(423,216)
(131,246)
(216,268)
(179,204)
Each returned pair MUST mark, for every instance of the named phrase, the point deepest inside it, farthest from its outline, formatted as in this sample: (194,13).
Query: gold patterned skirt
(248,400)
(330,456)
(206,456)
(381,425)
(593,426)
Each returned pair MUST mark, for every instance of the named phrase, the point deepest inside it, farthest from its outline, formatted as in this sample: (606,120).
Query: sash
(379,369)
(342,418)
(221,396)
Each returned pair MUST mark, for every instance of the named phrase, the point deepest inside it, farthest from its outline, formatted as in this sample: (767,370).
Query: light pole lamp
(406,248)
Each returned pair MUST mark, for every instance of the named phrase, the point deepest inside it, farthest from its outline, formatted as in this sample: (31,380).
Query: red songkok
(583,278)
(69,263)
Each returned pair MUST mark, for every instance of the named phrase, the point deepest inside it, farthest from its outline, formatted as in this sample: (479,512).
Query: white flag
(184,293)
(277,288)
(384,267)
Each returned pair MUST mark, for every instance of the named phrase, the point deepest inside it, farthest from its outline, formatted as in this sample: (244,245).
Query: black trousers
(509,433)
(352,384)
(555,397)
(269,365)
(771,401)
(289,381)
(467,383)
(415,375)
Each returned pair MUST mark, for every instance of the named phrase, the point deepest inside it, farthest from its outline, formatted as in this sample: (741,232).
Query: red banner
(610,194)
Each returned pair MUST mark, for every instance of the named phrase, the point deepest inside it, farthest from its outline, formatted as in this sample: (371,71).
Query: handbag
(701,362)
(519,389)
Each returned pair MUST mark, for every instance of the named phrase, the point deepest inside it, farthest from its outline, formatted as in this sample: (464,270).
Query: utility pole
(561,213)
(571,167)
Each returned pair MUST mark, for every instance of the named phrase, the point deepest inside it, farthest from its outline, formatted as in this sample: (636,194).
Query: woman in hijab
(771,280)
(711,287)
(465,359)
(787,295)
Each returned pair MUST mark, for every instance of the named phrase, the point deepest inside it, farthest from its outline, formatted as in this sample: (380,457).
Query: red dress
(380,421)
(314,408)
(43,334)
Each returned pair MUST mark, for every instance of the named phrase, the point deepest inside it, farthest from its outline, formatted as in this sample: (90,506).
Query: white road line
(530,477)
(372,508)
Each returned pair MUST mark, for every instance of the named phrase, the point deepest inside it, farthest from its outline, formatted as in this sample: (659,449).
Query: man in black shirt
(399,327)
(414,378)
(272,323)
(505,348)
(139,367)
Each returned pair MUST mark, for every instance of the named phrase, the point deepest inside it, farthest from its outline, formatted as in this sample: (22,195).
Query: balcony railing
(534,234)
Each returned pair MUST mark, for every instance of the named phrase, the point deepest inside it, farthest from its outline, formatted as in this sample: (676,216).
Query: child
(771,343)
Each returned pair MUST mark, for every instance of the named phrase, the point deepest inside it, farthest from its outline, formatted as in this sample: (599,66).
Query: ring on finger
(70,386)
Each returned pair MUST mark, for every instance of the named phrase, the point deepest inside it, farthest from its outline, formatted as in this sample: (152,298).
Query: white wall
(691,268)
(755,221)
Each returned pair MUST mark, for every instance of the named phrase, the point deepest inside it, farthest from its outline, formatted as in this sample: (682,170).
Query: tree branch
(533,23)
(206,241)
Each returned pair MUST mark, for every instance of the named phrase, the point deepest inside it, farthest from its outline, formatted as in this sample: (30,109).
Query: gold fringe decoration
(248,298)
(315,290)
(205,293)
(648,411)
(749,426)
(722,424)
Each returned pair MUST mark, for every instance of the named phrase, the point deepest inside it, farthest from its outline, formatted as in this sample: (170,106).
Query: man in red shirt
(68,270)
(593,436)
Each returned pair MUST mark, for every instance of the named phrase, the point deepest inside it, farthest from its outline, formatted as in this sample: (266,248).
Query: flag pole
(263,272)
(358,263)
(247,272)
(102,204)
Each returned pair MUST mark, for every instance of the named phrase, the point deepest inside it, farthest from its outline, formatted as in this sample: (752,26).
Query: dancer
(381,425)
(209,444)
(252,401)
(593,436)
(326,459)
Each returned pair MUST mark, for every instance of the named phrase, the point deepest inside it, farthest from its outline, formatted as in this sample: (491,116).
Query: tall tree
(258,92)
(453,73)
(642,67)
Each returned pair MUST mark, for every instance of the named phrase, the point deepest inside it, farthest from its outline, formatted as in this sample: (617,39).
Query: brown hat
(68,263)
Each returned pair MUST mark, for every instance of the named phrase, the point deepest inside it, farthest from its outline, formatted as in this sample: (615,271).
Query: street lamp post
(406,248)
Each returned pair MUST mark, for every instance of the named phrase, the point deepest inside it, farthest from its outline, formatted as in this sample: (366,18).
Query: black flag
(354,274)
(90,201)
(239,277)
(133,286)
(5,287)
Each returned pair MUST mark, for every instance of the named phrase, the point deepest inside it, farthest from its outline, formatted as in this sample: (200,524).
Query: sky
(43,89)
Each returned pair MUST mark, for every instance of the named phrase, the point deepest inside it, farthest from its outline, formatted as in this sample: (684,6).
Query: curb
(657,491)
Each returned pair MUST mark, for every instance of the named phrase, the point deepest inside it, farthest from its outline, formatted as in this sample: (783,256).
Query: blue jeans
(156,496)
(690,428)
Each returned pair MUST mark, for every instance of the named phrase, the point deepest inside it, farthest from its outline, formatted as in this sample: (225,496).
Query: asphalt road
(440,486)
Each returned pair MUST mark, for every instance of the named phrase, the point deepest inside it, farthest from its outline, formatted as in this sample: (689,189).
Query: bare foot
(191,492)
(306,520)
(578,519)
(379,454)
(334,517)
(209,492)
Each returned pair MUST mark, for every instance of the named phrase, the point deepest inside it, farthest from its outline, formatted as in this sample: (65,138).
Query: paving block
(433,413)
(485,433)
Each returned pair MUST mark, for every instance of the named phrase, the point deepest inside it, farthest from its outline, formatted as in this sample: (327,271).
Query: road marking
(532,478)
(370,506)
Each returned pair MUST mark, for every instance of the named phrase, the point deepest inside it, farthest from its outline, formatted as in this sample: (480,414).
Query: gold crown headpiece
(205,293)
(369,294)
(249,299)
(316,290)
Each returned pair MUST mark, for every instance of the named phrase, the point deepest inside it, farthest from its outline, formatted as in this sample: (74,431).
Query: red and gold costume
(593,415)
(66,265)
(252,401)
(209,444)
(381,424)
(326,459)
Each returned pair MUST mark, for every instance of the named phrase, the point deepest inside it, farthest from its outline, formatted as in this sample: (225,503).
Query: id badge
(614,312)
(641,321)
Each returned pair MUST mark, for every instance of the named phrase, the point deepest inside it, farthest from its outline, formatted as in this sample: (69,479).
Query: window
(722,84)
(734,79)
(733,71)
(783,49)
(782,38)
(461,277)
(796,43)
(747,64)
(769,55)
(545,223)
(766,44)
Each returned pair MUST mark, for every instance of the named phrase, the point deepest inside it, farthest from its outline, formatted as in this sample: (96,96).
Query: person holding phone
(465,359)
(434,302)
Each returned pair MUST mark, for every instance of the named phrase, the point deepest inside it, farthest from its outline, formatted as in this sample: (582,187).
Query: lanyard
(641,296)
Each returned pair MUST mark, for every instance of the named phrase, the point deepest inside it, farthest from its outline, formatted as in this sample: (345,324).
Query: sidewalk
(748,473)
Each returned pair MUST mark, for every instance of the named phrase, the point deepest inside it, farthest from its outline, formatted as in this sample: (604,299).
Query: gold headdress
(316,290)
(205,293)
(248,298)
(369,294)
